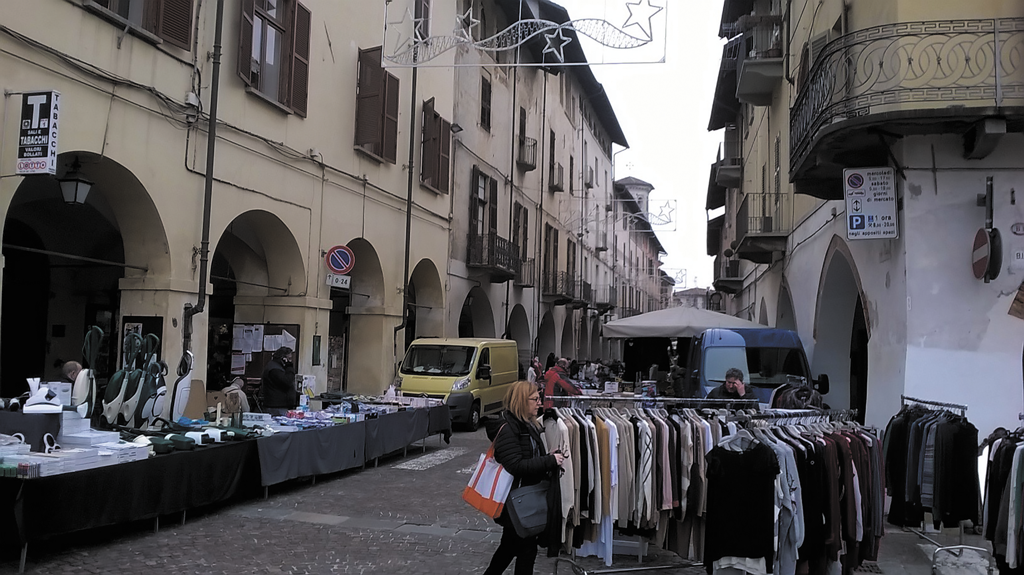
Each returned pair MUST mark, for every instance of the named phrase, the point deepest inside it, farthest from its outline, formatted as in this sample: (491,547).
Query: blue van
(767,357)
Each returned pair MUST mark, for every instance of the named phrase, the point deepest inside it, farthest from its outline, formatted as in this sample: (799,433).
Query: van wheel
(474,417)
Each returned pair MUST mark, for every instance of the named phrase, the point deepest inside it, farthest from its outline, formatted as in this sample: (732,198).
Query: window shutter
(494,206)
(390,139)
(428,151)
(245,42)
(474,181)
(174,23)
(300,60)
(444,165)
(369,110)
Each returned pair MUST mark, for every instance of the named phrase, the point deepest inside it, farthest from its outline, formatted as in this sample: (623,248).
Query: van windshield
(439,360)
(764,366)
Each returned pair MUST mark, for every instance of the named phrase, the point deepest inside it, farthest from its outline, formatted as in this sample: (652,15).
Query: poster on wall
(37,133)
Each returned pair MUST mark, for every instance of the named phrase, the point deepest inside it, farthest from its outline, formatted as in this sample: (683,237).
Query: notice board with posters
(253,346)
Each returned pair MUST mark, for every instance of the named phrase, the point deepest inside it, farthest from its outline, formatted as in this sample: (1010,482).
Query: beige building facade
(319,145)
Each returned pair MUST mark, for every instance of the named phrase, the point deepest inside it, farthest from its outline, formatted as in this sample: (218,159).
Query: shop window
(376,107)
(436,151)
(273,51)
(169,21)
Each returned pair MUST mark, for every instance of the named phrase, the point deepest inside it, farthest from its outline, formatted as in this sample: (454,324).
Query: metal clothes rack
(640,402)
(959,407)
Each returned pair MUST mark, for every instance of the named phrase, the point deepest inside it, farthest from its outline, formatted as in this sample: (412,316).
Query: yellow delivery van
(471,375)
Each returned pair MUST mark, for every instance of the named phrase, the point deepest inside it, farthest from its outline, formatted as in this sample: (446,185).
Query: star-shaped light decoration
(556,43)
(641,13)
(400,41)
(664,215)
(465,23)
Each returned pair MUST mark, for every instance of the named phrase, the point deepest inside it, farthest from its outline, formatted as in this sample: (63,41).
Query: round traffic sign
(982,252)
(340,259)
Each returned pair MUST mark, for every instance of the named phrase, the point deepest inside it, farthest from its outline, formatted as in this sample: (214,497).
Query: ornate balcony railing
(527,156)
(909,66)
(526,273)
(560,285)
(494,253)
(606,297)
(762,214)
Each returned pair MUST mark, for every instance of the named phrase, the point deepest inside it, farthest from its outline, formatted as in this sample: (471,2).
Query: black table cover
(285,456)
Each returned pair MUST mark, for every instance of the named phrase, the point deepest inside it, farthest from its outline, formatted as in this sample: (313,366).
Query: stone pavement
(404,516)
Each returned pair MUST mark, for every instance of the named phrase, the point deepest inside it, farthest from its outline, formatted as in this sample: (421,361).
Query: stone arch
(763,313)
(426,302)
(367,275)
(519,330)
(567,348)
(477,316)
(785,316)
(546,337)
(263,255)
(119,223)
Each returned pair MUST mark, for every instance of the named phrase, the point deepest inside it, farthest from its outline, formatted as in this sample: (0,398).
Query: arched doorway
(476,318)
(64,264)
(567,349)
(785,317)
(546,338)
(358,331)
(519,330)
(255,258)
(426,303)
(840,331)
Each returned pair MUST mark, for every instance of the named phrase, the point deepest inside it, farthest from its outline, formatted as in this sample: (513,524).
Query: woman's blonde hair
(517,401)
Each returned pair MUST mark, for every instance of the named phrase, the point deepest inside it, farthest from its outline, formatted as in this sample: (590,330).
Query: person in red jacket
(556,382)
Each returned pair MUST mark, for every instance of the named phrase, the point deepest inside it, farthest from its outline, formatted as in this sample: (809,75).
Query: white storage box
(253,419)
(88,438)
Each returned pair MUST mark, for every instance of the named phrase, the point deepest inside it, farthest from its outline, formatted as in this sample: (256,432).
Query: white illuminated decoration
(607,31)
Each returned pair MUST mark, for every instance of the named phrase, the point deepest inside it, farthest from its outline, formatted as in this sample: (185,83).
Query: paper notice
(237,363)
(257,338)
(237,338)
(247,339)
(287,340)
(271,342)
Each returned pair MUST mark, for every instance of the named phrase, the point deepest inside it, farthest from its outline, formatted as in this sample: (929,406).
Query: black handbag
(528,509)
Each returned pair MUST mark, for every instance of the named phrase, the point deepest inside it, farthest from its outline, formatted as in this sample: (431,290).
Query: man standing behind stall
(556,382)
(278,383)
(733,388)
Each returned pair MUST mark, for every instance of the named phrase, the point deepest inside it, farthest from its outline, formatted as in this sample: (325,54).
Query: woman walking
(520,450)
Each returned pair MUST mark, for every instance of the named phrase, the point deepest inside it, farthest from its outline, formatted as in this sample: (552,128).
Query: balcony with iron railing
(526,272)
(760,65)
(727,275)
(494,255)
(558,287)
(606,298)
(963,77)
(556,182)
(729,167)
(762,226)
(526,159)
(583,295)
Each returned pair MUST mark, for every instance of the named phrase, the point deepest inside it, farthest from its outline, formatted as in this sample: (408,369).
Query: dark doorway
(337,341)
(466,319)
(26,296)
(859,362)
(410,322)
(222,317)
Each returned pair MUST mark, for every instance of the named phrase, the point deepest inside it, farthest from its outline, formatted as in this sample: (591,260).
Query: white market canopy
(672,322)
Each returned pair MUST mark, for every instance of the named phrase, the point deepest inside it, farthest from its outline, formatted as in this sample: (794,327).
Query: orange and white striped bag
(488,488)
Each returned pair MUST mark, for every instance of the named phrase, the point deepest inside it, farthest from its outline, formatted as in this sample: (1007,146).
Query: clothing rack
(570,401)
(961,408)
(841,414)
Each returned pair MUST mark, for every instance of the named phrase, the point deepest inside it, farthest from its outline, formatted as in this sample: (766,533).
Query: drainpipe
(211,141)
(408,213)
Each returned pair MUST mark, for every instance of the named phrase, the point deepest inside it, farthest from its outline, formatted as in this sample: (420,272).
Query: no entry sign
(340,259)
(982,251)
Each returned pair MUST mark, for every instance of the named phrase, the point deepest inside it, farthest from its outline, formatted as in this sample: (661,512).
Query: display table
(285,456)
(34,509)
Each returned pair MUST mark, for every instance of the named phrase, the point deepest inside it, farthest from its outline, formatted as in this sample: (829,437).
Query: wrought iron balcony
(931,77)
(556,182)
(583,295)
(727,276)
(760,59)
(559,287)
(493,254)
(527,156)
(526,273)
(606,298)
(762,226)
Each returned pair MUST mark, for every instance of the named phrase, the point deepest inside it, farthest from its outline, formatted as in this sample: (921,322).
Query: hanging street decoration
(607,31)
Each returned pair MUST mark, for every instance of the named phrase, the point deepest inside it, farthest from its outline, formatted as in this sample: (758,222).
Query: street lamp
(73,186)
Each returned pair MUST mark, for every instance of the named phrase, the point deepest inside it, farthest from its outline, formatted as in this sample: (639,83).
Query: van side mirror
(821,384)
(483,372)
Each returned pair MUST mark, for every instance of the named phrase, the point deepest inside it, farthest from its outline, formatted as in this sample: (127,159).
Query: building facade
(811,99)
(322,151)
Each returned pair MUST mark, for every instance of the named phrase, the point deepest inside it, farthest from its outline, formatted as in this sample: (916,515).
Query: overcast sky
(663,110)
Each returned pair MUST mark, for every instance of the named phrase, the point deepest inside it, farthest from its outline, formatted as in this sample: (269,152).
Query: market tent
(672,322)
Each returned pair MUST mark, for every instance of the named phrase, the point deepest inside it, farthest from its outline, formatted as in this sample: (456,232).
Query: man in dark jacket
(278,383)
(733,388)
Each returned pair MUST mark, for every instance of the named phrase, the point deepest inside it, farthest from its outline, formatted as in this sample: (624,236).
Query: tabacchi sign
(37,134)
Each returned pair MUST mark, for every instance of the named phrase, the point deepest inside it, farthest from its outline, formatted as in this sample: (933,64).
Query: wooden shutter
(474,182)
(429,149)
(526,233)
(444,165)
(174,23)
(369,107)
(299,92)
(494,206)
(245,42)
(391,100)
